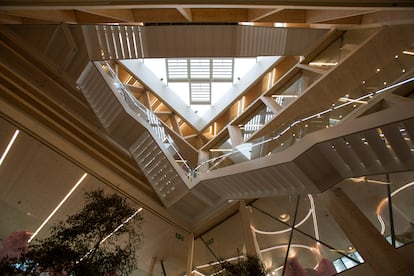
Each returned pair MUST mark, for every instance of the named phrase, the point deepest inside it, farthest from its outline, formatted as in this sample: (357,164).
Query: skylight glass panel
(200,69)
(223,69)
(200,93)
(177,69)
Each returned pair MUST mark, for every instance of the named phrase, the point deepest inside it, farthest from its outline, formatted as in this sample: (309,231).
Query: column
(376,251)
(190,254)
(250,242)
(152,266)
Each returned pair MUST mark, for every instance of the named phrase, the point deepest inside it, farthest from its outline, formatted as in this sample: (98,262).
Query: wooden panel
(158,15)
(220,15)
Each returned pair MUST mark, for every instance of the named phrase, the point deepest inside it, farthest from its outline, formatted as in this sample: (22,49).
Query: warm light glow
(219,150)
(384,200)
(408,52)
(6,151)
(351,100)
(57,207)
(284,96)
(284,217)
(323,63)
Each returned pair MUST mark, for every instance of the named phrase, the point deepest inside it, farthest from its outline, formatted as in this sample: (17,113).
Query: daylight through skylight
(200,82)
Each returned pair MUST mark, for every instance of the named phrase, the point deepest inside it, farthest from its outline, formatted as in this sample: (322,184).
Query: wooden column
(376,251)
(250,242)
(152,266)
(190,254)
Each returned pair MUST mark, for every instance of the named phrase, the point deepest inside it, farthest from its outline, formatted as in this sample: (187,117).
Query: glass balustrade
(147,115)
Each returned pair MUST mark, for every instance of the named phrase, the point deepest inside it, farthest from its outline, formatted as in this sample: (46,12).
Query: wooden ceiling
(296,13)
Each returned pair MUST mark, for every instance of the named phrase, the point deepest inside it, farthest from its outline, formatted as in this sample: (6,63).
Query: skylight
(200,82)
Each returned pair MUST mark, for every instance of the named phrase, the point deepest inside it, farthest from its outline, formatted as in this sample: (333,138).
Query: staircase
(137,131)
(370,144)
(377,143)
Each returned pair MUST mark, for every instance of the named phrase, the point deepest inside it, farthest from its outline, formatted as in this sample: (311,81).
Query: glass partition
(223,242)
(386,202)
(340,48)
(40,188)
(295,87)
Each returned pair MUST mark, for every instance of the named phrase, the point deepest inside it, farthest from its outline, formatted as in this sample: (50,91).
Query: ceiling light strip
(121,225)
(57,207)
(6,151)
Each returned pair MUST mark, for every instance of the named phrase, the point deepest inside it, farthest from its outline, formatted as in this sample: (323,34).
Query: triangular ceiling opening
(199,89)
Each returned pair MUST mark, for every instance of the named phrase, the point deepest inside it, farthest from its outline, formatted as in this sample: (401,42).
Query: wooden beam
(220,15)
(89,18)
(186,13)
(158,15)
(257,14)
(214,3)
(124,15)
(59,16)
(317,16)
(388,17)
(286,16)
(174,124)
(312,69)
(271,104)
(235,134)
(9,19)
(147,100)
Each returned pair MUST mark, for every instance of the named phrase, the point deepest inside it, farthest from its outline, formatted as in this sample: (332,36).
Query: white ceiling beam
(186,13)
(257,14)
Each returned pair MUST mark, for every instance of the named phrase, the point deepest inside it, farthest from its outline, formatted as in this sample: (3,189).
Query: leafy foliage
(80,245)
(248,266)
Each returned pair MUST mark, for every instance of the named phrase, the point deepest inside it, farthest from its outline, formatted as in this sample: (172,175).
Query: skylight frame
(199,72)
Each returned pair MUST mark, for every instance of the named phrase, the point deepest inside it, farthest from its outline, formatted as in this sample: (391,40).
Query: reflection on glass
(371,196)
(224,242)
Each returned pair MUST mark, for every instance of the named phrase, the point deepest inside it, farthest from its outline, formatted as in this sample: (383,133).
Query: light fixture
(284,217)
(6,151)
(350,249)
(323,63)
(411,53)
(57,207)
(219,150)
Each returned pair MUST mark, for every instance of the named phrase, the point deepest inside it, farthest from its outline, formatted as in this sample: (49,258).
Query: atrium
(282,129)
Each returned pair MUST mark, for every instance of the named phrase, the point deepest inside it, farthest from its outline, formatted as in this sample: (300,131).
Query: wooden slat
(124,15)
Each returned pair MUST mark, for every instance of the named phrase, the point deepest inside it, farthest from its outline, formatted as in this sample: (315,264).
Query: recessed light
(284,217)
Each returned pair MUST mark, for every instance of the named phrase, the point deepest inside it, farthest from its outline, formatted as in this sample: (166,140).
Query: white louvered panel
(336,161)
(397,142)
(151,159)
(363,151)
(147,155)
(378,146)
(409,129)
(343,148)
(140,146)
(279,181)
(266,41)
(155,170)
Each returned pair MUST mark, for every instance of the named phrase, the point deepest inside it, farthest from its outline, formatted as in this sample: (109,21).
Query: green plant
(94,241)
(245,266)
